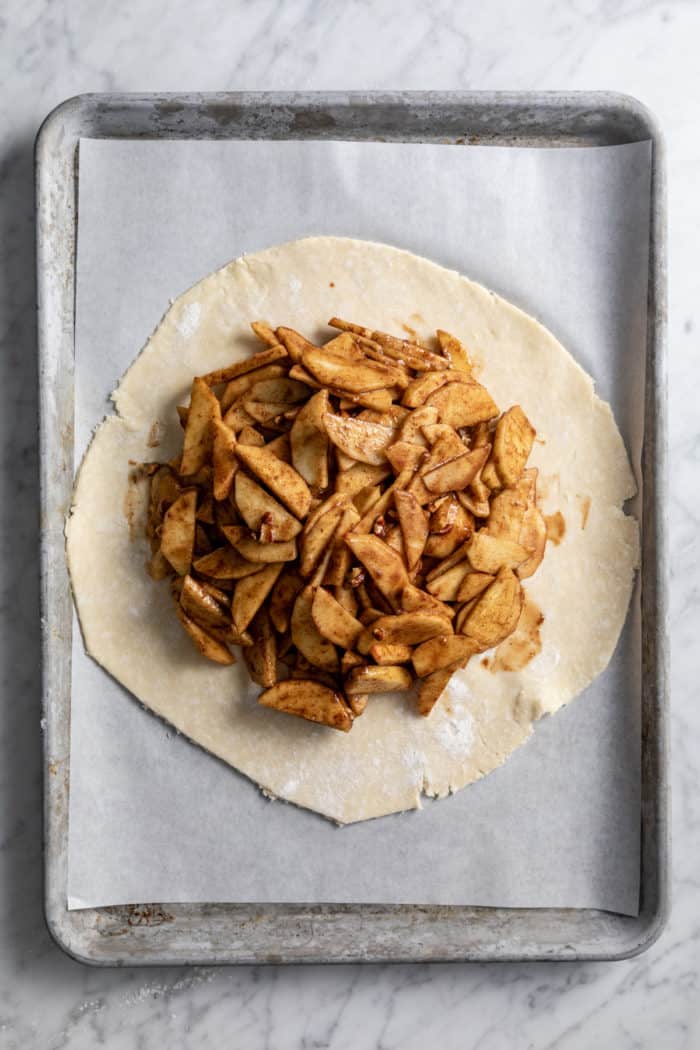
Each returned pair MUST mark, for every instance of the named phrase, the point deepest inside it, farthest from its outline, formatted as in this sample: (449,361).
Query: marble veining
(51,50)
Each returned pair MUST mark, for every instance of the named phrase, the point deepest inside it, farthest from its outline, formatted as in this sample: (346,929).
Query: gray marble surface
(51,50)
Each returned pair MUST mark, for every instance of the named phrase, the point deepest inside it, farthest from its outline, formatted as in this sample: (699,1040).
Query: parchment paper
(564,234)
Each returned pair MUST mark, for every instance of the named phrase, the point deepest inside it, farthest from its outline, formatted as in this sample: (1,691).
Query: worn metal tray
(236,933)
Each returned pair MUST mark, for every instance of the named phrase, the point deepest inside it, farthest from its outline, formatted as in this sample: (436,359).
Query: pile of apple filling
(357,516)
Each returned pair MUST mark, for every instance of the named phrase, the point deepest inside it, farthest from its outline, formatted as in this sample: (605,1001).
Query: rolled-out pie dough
(392,755)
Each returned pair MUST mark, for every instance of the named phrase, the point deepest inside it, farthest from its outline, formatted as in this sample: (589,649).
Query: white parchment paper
(564,234)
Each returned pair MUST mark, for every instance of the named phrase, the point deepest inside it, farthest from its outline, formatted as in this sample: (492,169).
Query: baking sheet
(563,233)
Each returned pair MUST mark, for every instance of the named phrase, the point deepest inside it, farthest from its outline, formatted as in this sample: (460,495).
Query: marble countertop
(53,50)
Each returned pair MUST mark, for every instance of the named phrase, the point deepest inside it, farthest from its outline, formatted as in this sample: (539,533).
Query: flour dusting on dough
(414,761)
(545,662)
(456,733)
(188,321)
(458,690)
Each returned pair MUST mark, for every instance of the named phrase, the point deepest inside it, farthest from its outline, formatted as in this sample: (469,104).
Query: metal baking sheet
(225,933)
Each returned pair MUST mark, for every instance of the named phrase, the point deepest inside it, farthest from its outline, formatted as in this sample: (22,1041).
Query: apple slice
(284,481)
(178,532)
(311,700)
